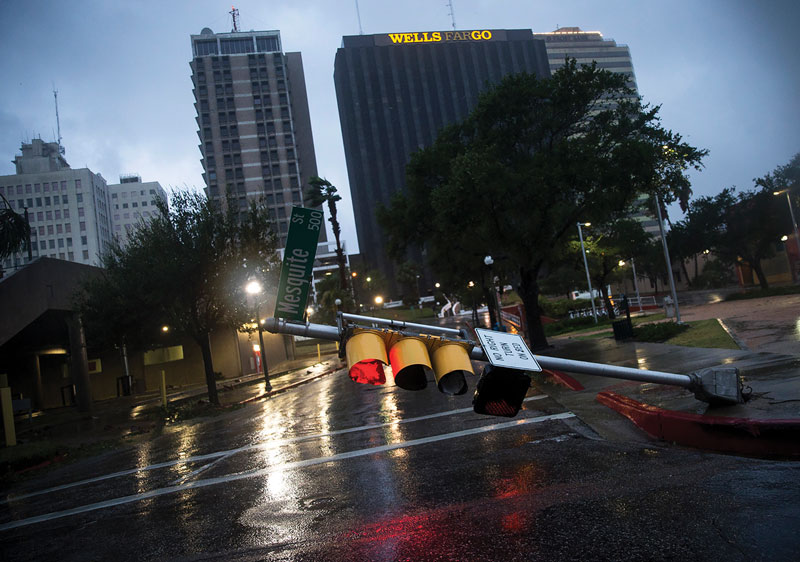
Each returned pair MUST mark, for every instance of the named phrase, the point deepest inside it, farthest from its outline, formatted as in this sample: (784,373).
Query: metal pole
(588,278)
(636,284)
(599,369)
(669,262)
(264,369)
(794,222)
(396,324)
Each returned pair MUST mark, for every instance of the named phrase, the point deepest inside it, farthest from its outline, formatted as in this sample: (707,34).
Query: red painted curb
(771,438)
(563,379)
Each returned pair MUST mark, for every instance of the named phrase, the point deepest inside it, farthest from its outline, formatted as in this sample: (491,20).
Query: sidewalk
(767,425)
(138,417)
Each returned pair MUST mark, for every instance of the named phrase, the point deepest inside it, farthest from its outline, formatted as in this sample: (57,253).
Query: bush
(570,324)
(658,332)
(560,308)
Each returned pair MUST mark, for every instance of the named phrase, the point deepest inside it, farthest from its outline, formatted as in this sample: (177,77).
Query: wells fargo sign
(436,37)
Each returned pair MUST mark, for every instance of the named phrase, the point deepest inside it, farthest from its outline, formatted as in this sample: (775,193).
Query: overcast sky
(725,72)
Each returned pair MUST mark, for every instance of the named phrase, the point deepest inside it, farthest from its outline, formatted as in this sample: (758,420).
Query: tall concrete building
(132,202)
(68,209)
(395,93)
(587,47)
(253,121)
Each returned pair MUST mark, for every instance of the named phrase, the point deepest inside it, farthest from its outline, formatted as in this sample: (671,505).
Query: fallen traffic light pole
(416,350)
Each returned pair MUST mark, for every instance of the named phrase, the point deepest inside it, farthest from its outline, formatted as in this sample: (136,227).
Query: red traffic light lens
(368,372)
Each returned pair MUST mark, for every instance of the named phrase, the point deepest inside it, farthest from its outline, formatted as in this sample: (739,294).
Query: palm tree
(14,230)
(323,191)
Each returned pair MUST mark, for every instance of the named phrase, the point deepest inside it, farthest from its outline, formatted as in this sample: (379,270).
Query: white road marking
(203,468)
(216,455)
(271,469)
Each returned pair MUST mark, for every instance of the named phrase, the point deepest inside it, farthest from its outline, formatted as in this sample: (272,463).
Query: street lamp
(254,288)
(586,265)
(495,297)
(669,262)
(794,222)
(635,282)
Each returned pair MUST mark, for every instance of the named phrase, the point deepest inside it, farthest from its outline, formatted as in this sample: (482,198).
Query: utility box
(623,329)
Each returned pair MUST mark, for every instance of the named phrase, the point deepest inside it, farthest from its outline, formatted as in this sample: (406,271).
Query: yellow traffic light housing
(413,358)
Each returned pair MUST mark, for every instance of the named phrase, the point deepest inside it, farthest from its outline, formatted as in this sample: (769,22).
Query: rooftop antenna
(451,13)
(358,14)
(235,17)
(58,122)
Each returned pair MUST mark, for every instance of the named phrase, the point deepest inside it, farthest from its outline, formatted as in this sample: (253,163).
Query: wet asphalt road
(338,471)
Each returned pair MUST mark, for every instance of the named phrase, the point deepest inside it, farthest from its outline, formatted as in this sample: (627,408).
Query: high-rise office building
(395,93)
(133,202)
(253,121)
(68,209)
(587,47)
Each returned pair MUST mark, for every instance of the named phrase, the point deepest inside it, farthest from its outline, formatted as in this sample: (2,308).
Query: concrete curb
(766,438)
(290,386)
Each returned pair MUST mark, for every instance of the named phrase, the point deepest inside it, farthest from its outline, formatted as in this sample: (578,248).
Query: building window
(86,254)
(37,188)
(83,226)
(68,227)
(51,244)
(66,213)
(79,196)
(77,185)
(80,211)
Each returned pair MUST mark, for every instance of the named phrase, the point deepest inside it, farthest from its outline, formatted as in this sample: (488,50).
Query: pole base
(718,386)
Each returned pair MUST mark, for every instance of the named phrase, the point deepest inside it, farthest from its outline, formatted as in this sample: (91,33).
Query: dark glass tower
(396,91)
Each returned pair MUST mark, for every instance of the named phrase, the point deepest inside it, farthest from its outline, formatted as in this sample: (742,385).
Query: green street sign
(298,261)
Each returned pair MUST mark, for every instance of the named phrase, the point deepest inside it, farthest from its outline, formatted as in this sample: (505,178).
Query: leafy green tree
(753,223)
(408,277)
(535,156)
(324,192)
(328,291)
(699,230)
(606,246)
(14,230)
(187,268)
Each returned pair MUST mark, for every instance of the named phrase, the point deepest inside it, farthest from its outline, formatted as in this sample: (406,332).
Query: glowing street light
(254,288)
(165,328)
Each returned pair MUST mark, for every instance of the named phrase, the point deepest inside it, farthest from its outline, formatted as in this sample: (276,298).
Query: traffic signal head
(500,391)
(412,357)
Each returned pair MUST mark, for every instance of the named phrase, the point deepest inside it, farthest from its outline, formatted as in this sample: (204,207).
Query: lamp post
(471,286)
(586,265)
(794,222)
(254,288)
(669,262)
(495,297)
(635,284)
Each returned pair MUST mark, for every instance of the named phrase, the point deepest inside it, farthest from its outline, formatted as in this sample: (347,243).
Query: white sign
(507,350)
